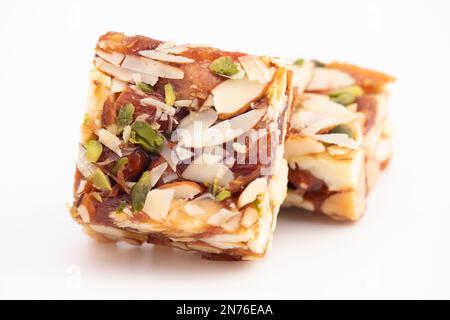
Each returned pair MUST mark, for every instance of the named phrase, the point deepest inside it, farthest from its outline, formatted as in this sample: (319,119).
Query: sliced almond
(183,153)
(158,203)
(324,106)
(297,146)
(175,49)
(206,173)
(109,232)
(311,122)
(194,209)
(255,188)
(226,219)
(170,177)
(262,241)
(339,139)
(303,118)
(223,245)
(157,172)
(335,150)
(250,217)
(232,97)
(255,69)
(194,133)
(232,128)
(122,73)
(84,214)
(191,129)
(278,184)
(169,155)
(126,133)
(159,104)
(115,58)
(83,165)
(162,56)
(152,67)
(329,79)
(110,140)
(301,75)
(319,126)
(183,189)
(117,85)
(165,45)
(231,238)
(206,118)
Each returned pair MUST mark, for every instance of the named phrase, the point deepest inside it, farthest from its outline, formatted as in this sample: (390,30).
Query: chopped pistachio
(143,134)
(258,204)
(342,128)
(345,98)
(218,192)
(122,162)
(122,205)
(169,95)
(94,150)
(125,116)
(224,66)
(140,190)
(299,62)
(222,195)
(319,64)
(100,180)
(214,187)
(347,95)
(144,87)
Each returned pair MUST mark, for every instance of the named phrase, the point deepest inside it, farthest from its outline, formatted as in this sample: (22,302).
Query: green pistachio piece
(125,116)
(214,186)
(144,87)
(100,180)
(217,191)
(299,62)
(140,190)
(146,136)
(135,139)
(94,150)
(345,98)
(258,204)
(347,95)
(224,66)
(319,64)
(342,128)
(122,205)
(169,94)
(122,162)
(222,195)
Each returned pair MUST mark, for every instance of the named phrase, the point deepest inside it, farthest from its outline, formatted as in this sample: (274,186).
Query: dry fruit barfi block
(339,137)
(182,146)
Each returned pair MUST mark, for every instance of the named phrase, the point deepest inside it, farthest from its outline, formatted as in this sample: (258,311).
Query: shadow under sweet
(114,257)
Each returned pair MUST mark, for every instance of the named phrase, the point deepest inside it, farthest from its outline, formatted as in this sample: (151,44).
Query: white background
(400,249)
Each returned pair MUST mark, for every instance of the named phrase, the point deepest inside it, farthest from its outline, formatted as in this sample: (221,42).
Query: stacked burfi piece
(339,137)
